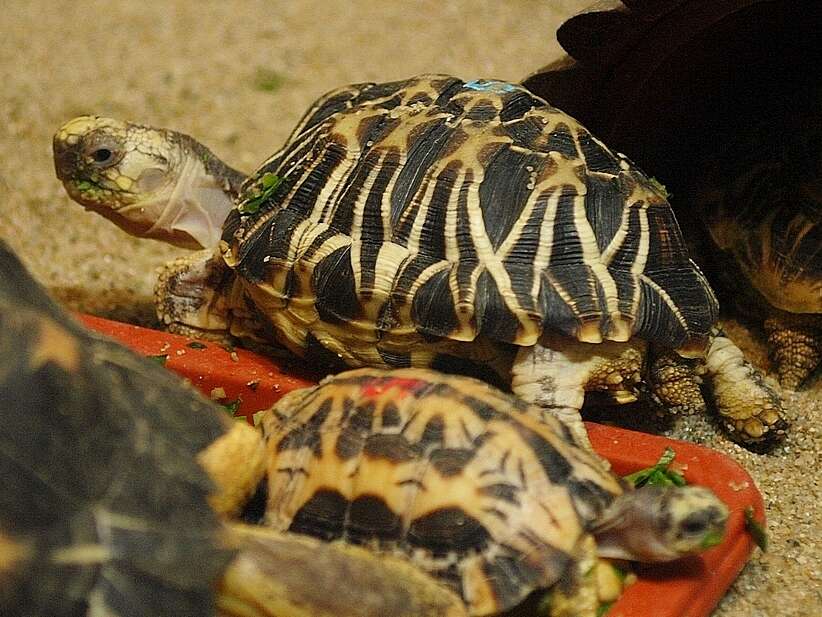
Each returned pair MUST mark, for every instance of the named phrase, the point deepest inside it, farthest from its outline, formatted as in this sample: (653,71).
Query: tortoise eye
(694,524)
(102,156)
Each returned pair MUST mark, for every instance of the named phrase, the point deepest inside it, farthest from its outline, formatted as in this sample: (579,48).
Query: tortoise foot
(750,409)
(796,350)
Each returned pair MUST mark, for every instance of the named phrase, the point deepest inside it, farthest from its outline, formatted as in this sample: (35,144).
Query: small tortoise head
(152,183)
(654,524)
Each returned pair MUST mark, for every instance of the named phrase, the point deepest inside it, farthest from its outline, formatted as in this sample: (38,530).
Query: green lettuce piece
(756,529)
(659,474)
(268,183)
(231,407)
(604,608)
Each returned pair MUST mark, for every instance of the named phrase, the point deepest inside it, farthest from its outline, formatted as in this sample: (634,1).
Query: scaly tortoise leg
(795,348)
(675,383)
(188,298)
(199,296)
(286,575)
(555,375)
(750,410)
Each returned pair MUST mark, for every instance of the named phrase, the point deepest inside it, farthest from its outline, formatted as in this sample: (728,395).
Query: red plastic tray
(687,588)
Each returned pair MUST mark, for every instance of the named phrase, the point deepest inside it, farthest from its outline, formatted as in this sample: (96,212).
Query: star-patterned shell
(470,484)
(461,210)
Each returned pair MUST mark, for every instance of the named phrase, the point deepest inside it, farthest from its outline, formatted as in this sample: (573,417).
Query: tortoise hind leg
(555,375)
(749,408)
(796,349)
(675,383)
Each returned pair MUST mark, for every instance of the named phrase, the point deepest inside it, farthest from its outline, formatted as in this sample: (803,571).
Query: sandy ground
(238,75)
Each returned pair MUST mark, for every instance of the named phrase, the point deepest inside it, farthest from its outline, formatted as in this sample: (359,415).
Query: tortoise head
(152,183)
(653,524)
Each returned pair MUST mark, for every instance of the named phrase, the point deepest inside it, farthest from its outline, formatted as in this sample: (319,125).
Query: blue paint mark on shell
(490,85)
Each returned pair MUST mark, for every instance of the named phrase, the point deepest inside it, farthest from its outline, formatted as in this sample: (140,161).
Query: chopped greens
(160,359)
(756,529)
(83,185)
(659,474)
(620,572)
(712,539)
(604,608)
(269,183)
(232,407)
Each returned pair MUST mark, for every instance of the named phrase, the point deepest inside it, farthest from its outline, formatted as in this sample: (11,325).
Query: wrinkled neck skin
(630,530)
(190,210)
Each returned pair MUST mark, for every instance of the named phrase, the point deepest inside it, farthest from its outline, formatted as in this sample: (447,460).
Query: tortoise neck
(192,210)
(227,176)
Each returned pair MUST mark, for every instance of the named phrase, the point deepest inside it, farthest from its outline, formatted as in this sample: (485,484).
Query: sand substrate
(238,75)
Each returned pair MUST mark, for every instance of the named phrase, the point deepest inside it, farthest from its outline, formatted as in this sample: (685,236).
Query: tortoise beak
(65,159)
(66,146)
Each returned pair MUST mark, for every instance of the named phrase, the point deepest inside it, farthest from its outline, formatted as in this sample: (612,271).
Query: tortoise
(477,487)
(430,222)
(124,488)
(120,488)
(744,74)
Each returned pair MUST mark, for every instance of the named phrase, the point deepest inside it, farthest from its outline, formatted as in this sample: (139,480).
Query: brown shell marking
(454,475)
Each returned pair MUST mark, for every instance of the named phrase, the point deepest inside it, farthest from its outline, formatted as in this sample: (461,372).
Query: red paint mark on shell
(404,386)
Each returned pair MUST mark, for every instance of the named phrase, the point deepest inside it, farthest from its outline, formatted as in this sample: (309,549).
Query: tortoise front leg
(575,595)
(200,296)
(189,296)
(236,464)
